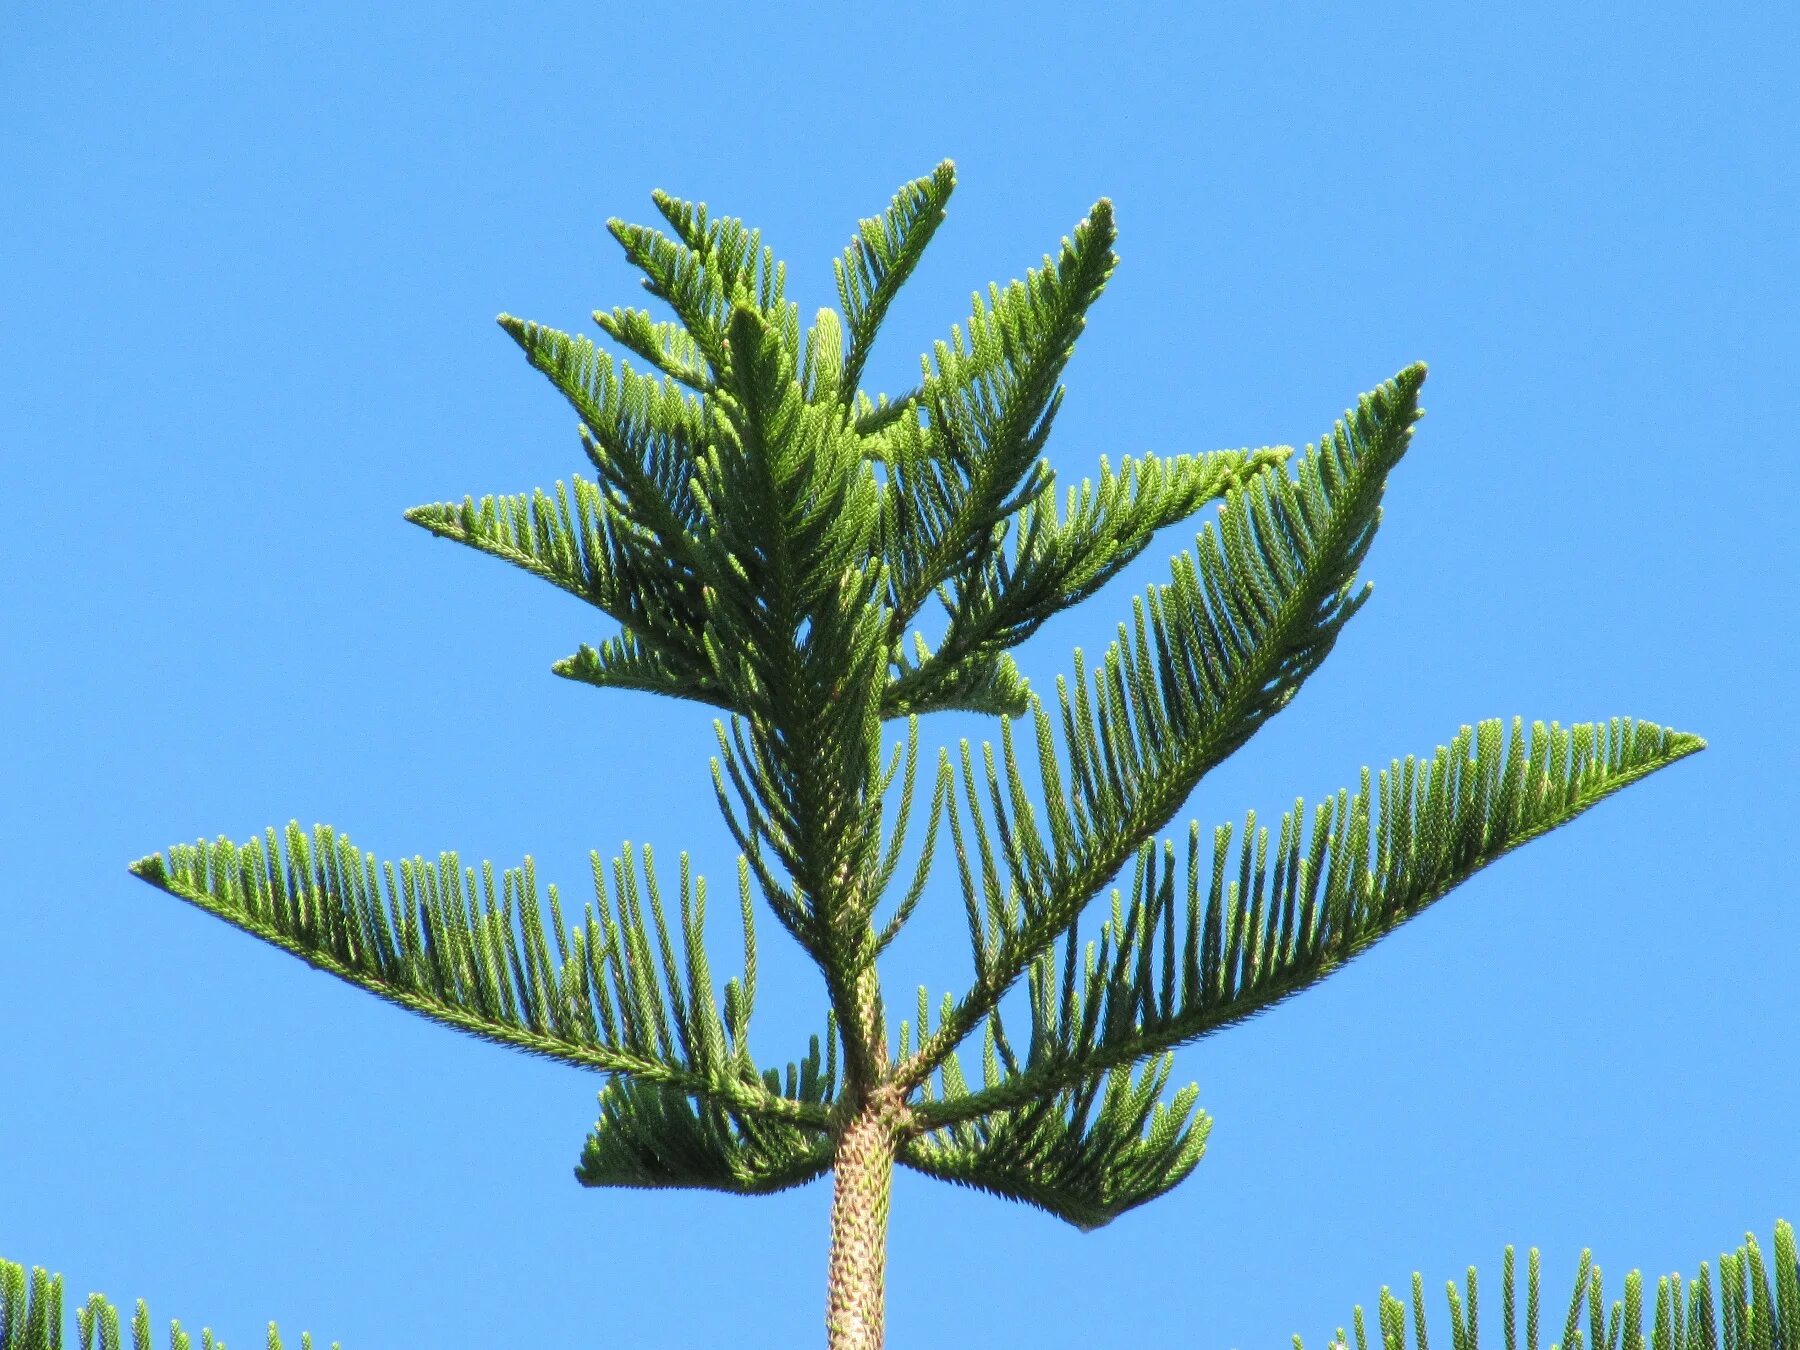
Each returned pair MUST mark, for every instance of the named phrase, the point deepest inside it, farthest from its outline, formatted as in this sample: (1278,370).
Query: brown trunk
(856,1291)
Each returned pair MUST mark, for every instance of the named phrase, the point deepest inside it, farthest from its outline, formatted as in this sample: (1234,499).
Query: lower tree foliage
(767,536)
(1756,1307)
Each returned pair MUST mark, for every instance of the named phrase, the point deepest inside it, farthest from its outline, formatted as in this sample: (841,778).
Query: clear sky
(253,255)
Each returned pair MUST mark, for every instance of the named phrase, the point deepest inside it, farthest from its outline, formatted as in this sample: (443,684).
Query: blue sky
(254,254)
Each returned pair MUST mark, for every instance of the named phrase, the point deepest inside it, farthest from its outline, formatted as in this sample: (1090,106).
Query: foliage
(767,538)
(1748,1313)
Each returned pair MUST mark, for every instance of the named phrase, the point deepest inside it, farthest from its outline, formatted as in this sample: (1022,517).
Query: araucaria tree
(768,540)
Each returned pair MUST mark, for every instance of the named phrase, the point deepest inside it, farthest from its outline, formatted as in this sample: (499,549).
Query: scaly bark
(856,1292)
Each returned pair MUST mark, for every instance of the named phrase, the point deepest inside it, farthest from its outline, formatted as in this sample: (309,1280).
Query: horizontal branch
(1159,982)
(598,1004)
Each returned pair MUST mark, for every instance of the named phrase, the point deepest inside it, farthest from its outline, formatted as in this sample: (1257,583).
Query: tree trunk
(856,1291)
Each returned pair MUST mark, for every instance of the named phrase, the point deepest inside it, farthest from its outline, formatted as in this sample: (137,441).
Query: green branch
(436,950)
(1273,932)
(1235,637)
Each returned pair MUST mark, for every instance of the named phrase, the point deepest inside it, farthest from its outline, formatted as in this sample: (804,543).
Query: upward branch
(792,505)
(880,259)
(1234,639)
(991,407)
(1058,560)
